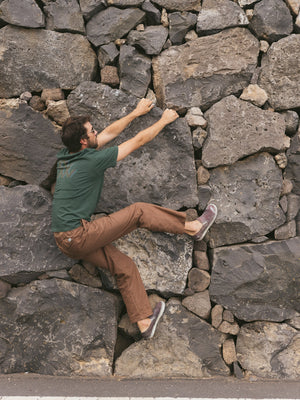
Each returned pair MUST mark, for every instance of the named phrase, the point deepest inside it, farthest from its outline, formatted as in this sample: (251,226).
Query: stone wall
(232,71)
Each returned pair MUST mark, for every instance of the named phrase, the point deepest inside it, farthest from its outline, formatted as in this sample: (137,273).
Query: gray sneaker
(157,313)
(206,219)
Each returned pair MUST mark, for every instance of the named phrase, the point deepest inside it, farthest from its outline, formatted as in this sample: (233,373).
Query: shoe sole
(209,225)
(162,310)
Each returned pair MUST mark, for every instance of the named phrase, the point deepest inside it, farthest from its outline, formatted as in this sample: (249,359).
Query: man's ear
(83,142)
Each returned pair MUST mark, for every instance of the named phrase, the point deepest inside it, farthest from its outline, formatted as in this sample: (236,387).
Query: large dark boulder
(184,78)
(161,172)
(39,59)
(247,196)
(27,245)
(55,327)
(28,142)
(258,281)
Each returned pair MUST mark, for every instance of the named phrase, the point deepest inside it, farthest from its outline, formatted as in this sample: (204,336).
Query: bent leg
(128,280)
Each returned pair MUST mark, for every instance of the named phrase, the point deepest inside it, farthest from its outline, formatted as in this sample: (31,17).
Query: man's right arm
(146,135)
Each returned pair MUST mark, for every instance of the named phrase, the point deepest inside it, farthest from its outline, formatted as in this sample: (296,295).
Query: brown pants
(92,242)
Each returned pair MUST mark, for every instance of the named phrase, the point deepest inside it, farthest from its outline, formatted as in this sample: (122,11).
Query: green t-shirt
(78,185)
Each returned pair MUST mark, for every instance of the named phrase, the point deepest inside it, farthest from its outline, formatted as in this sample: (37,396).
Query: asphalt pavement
(41,386)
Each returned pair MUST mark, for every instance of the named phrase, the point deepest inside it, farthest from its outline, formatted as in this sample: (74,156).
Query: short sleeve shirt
(78,185)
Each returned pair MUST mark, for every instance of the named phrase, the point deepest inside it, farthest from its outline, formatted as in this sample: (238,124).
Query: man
(80,171)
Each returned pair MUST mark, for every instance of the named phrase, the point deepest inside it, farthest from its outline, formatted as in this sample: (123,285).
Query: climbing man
(80,172)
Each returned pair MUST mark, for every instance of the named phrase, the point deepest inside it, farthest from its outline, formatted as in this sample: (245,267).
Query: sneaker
(206,219)
(157,313)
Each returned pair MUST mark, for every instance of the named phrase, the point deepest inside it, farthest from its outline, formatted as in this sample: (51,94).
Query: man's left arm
(113,130)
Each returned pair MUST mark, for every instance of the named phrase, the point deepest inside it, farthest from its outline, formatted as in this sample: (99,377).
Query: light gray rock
(279,75)
(271,20)
(151,40)
(91,7)
(39,59)
(153,174)
(179,24)
(111,24)
(163,260)
(244,3)
(27,244)
(247,196)
(55,327)
(293,206)
(291,121)
(28,142)
(175,350)
(255,94)
(64,15)
(269,350)
(179,5)
(24,13)
(237,129)
(183,78)
(257,281)
(286,231)
(216,15)
(199,304)
(199,136)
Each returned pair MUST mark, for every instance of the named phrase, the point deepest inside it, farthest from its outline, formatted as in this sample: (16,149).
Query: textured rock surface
(280,73)
(21,48)
(247,196)
(111,24)
(269,350)
(175,177)
(28,144)
(216,15)
(27,245)
(271,20)
(57,327)
(180,5)
(25,13)
(237,129)
(64,15)
(179,24)
(185,346)
(151,40)
(257,282)
(184,78)
(163,260)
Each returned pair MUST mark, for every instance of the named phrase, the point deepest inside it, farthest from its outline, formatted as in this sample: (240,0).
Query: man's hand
(143,107)
(169,116)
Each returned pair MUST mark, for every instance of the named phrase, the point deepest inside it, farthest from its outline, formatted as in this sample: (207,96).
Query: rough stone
(284,203)
(109,76)
(285,231)
(255,94)
(247,197)
(287,187)
(55,327)
(183,78)
(199,136)
(91,7)
(153,14)
(194,117)
(269,350)
(79,274)
(198,280)
(294,322)
(151,40)
(216,315)
(58,111)
(107,54)
(191,35)
(179,5)
(244,3)
(27,244)
(4,289)
(229,352)
(227,327)
(216,15)
(199,304)
(28,143)
(164,20)
(271,20)
(280,73)
(248,130)
(202,175)
(228,316)
(163,260)
(64,15)
(25,13)
(293,206)
(125,3)
(264,46)
(201,260)
(204,195)
(292,172)
(179,24)
(21,48)
(111,24)
(294,5)
(37,103)
(291,121)
(26,96)
(281,160)
(175,350)
(135,71)
(257,281)
(174,171)
(52,94)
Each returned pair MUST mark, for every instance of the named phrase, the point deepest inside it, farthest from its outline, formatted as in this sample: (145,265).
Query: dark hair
(73,131)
